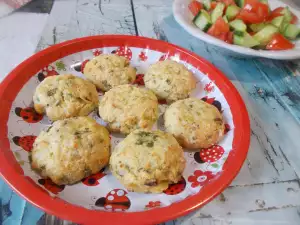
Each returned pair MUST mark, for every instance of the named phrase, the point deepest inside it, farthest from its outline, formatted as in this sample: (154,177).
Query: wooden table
(267,189)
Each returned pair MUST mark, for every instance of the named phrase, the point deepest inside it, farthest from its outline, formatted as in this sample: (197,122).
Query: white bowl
(184,17)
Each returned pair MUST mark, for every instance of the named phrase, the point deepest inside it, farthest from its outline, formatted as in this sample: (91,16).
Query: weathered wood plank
(284,216)
(73,19)
(18,42)
(259,202)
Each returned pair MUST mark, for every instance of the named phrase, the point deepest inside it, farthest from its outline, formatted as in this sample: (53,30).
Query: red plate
(13,173)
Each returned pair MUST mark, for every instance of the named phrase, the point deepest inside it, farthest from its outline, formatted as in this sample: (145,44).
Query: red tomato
(228,2)
(220,26)
(229,39)
(278,12)
(278,42)
(254,12)
(222,36)
(249,17)
(275,13)
(262,10)
(213,5)
(220,30)
(195,7)
(294,19)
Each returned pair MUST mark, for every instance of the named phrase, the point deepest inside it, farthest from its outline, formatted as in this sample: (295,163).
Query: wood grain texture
(267,189)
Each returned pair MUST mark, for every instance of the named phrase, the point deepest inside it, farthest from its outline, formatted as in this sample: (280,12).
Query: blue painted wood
(15,210)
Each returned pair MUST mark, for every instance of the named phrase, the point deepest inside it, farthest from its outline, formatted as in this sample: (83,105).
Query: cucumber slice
(244,40)
(238,25)
(207,4)
(291,31)
(225,19)
(287,15)
(202,20)
(264,1)
(278,21)
(232,11)
(217,12)
(255,27)
(265,35)
(283,27)
(240,3)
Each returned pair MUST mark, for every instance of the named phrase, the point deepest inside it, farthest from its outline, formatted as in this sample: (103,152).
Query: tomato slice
(229,38)
(262,10)
(220,26)
(254,12)
(228,2)
(278,42)
(213,5)
(294,19)
(220,30)
(278,12)
(249,17)
(195,7)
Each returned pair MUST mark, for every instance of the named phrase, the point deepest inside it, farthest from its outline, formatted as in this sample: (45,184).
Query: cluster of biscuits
(76,146)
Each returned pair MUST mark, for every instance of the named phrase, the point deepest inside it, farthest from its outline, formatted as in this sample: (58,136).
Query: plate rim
(12,173)
(195,32)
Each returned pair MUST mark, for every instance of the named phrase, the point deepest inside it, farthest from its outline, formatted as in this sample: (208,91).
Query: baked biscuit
(108,71)
(126,108)
(148,161)
(169,80)
(65,96)
(71,150)
(194,123)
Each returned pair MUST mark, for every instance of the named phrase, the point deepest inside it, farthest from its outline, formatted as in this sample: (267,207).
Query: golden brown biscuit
(65,96)
(148,161)
(109,70)
(169,80)
(70,150)
(194,123)
(126,108)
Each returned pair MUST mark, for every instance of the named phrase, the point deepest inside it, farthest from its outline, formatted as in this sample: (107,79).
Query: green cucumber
(277,21)
(238,25)
(287,15)
(265,35)
(240,3)
(207,4)
(232,11)
(244,40)
(264,1)
(225,19)
(255,27)
(203,20)
(217,12)
(291,31)
(283,27)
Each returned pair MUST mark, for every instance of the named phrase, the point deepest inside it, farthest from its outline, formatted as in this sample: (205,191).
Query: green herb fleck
(49,128)
(17,155)
(43,167)
(106,85)
(51,92)
(30,158)
(150,144)
(215,165)
(146,138)
(60,65)
(168,81)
